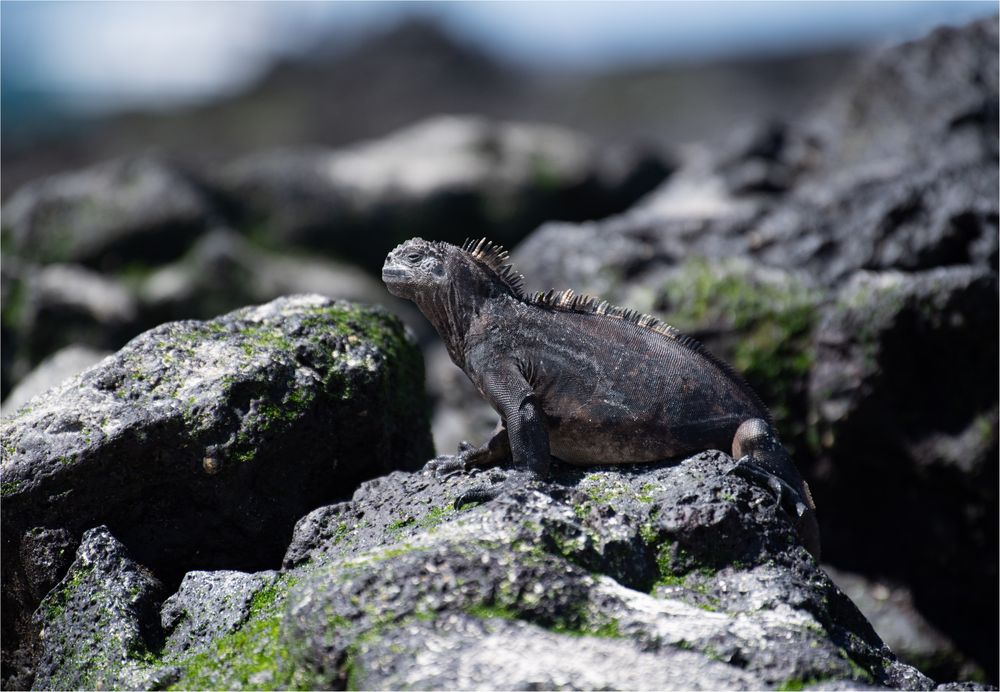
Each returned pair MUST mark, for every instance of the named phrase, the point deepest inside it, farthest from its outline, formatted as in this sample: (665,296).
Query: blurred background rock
(795,184)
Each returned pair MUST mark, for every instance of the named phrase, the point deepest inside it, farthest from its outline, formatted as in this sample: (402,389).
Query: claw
(784,495)
(446,465)
(480,495)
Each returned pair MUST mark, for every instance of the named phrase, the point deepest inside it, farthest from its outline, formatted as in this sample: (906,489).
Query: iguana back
(615,386)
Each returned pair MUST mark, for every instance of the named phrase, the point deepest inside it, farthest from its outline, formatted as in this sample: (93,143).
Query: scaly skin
(583,381)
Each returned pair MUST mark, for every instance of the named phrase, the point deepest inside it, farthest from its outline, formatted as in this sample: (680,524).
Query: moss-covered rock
(113,213)
(95,625)
(681,575)
(201,443)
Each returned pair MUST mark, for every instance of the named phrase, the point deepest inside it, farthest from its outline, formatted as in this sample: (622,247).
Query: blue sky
(94,56)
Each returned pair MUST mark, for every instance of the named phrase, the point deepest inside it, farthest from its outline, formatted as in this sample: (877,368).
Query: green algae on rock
(200,444)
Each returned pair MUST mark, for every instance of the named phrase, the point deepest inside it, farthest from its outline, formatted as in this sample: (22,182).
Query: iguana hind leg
(762,459)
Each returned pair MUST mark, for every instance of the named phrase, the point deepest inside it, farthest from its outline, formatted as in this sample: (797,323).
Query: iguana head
(420,269)
(416,268)
(451,285)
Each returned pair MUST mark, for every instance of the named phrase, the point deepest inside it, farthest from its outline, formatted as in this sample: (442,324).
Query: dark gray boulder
(932,99)
(904,403)
(201,443)
(907,218)
(97,623)
(448,177)
(196,616)
(910,219)
(142,209)
(652,577)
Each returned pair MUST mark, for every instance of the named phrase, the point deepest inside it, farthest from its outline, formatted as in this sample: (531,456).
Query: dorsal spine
(568,301)
(496,259)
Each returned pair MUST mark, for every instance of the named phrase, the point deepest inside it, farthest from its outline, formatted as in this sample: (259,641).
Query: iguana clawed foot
(468,459)
(784,495)
(502,481)
(797,507)
(447,465)
(483,493)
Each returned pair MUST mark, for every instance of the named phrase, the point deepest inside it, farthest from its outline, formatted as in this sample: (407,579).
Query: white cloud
(110,54)
(156,52)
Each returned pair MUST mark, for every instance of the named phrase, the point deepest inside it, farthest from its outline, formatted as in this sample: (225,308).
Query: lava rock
(907,219)
(141,209)
(691,576)
(196,616)
(201,443)
(463,173)
(934,98)
(98,620)
(904,404)
(60,366)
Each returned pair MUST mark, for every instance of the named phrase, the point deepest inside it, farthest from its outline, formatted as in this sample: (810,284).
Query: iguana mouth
(389,273)
(396,279)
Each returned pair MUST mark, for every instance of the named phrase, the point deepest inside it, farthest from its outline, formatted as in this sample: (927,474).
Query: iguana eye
(413,257)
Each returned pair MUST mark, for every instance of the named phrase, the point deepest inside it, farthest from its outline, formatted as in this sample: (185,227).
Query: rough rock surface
(932,99)
(107,214)
(201,443)
(449,177)
(98,619)
(847,265)
(195,616)
(905,217)
(649,577)
(60,366)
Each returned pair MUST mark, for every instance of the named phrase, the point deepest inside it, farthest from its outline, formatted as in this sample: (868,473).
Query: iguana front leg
(495,451)
(510,393)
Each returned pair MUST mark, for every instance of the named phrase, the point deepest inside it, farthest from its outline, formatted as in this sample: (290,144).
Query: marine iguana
(589,383)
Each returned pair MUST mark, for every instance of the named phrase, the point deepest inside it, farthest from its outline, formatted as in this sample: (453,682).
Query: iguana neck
(452,313)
